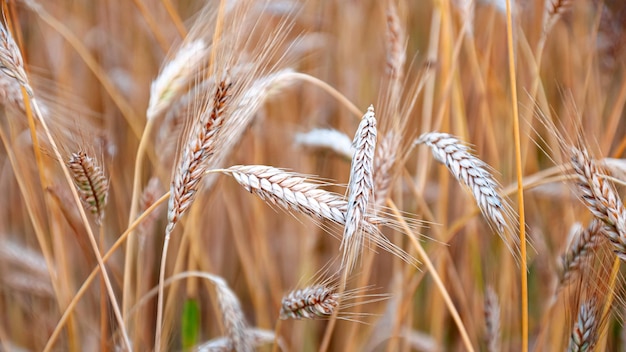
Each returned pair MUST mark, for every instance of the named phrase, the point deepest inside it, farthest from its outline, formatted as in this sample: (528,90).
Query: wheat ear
(223,344)
(473,173)
(232,315)
(584,333)
(598,194)
(585,241)
(295,193)
(90,182)
(360,188)
(311,302)
(492,320)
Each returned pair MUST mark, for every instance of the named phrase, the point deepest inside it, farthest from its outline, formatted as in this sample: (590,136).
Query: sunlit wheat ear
(473,173)
(259,337)
(492,320)
(297,194)
(175,75)
(91,183)
(584,334)
(201,146)
(322,138)
(582,247)
(600,197)
(360,188)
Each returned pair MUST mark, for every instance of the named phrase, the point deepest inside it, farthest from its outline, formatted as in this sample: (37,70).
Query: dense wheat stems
(360,188)
(600,197)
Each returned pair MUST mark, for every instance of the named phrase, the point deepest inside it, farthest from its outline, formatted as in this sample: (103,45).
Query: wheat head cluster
(312,175)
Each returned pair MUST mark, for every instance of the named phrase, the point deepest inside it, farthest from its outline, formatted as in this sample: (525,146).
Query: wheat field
(314,175)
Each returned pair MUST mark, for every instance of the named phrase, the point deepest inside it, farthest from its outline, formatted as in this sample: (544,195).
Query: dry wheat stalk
(584,334)
(174,75)
(598,194)
(295,193)
(91,183)
(492,320)
(473,173)
(223,344)
(312,302)
(360,188)
(193,162)
(584,243)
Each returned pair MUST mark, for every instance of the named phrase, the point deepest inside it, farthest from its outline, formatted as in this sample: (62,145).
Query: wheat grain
(91,183)
(360,188)
(601,199)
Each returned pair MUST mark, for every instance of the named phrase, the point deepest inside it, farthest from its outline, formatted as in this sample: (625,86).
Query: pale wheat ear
(258,338)
(492,320)
(360,189)
(91,183)
(474,174)
(326,138)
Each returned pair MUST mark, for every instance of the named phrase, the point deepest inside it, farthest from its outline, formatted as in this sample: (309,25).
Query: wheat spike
(312,302)
(223,344)
(386,152)
(585,241)
(323,138)
(473,173)
(11,62)
(584,333)
(601,199)
(91,183)
(360,188)
(232,315)
(193,162)
(492,320)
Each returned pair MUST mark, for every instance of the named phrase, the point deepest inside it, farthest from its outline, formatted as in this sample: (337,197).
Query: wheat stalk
(473,173)
(600,197)
(360,188)
(90,182)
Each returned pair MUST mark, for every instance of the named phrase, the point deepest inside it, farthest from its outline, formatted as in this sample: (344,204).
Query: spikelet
(360,188)
(91,183)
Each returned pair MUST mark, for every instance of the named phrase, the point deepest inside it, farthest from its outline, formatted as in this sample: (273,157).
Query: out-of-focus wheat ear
(198,149)
(395,40)
(91,183)
(233,317)
(11,62)
(175,75)
(386,153)
(600,197)
(585,332)
(553,11)
(360,188)
(492,320)
(582,247)
(311,302)
(473,173)
(258,336)
(324,138)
